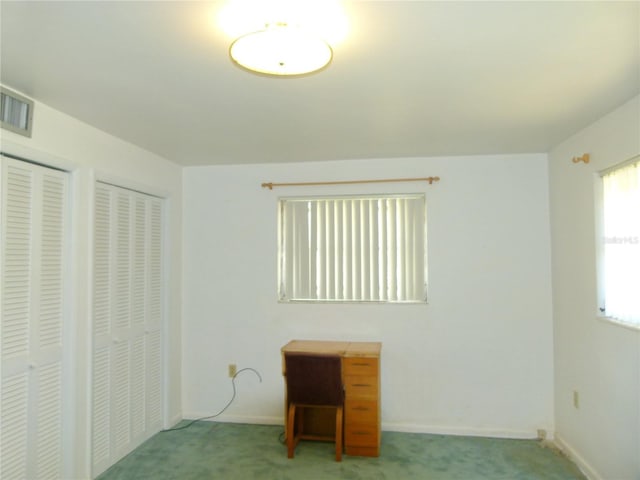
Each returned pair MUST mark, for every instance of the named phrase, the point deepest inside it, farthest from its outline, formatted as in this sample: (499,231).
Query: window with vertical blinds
(620,251)
(352,249)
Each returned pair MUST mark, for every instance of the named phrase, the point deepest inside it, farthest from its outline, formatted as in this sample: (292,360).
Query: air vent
(16,112)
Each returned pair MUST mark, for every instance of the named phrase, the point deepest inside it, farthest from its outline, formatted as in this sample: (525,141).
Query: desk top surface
(345,349)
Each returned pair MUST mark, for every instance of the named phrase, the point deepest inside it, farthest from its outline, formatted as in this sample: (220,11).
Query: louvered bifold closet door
(34,213)
(127,322)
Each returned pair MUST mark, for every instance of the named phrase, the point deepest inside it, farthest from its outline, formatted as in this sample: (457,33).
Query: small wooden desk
(361,377)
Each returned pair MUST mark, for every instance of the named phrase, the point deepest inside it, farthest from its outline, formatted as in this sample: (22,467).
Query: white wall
(89,154)
(476,360)
(599,360)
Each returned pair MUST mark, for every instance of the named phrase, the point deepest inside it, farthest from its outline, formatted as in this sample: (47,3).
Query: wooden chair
(313,380)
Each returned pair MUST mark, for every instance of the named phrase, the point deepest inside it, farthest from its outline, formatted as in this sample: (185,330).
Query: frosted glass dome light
(281,50)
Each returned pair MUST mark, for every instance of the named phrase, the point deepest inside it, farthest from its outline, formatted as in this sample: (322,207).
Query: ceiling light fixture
(281,49)
(283,38)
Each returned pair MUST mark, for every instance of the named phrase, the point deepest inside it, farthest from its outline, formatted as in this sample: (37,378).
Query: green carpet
(229,451)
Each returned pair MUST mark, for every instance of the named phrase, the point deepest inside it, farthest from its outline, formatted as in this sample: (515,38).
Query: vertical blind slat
(373,249)
(355,253)
(391,246)
(346,242)
(382,250)
(408,257)
(328,252)
(289,248)
(319,257)
(364,249)
(400,251)
(339,252)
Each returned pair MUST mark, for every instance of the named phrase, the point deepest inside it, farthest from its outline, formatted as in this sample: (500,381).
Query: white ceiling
(413,78)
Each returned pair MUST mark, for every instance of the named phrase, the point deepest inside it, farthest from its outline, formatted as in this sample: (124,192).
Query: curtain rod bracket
(584,158)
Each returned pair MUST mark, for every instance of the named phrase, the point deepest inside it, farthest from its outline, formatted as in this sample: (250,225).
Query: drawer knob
(361,384)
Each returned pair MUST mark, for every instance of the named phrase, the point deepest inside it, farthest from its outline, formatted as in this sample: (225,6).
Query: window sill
(352,302)
(618,323)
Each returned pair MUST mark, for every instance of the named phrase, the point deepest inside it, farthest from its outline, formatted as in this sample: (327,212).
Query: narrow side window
(619,274)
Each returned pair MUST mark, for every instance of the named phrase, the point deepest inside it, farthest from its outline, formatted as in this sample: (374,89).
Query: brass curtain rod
(270,185)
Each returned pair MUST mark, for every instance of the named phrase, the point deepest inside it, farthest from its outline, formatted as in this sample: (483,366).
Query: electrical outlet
(576,399)
(232,370)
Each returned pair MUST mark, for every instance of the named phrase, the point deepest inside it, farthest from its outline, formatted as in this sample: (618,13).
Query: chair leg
(339,412)
(291,431)
(299,422)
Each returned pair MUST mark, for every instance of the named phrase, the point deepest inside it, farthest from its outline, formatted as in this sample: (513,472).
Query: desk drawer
(361,386)
(360,366)
(361,411)
(361,435)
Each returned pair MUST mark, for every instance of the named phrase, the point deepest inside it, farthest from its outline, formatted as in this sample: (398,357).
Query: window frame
(600,245)
(288,297)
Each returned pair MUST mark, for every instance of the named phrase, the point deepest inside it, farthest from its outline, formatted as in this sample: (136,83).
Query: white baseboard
(173,421)
(459,431)
(391,427)
(582,464)
(253,420)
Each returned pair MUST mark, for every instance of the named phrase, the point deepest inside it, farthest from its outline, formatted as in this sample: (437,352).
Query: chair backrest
(314,379)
